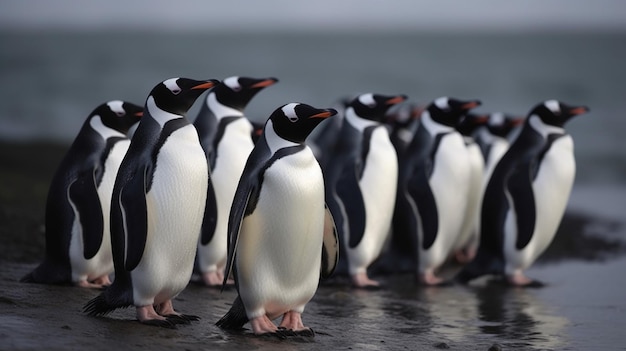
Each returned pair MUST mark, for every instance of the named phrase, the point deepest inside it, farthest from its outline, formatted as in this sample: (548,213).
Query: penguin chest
(175,205)
(279,252)
(551,189)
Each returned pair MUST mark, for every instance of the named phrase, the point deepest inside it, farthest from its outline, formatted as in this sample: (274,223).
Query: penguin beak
(578,110)
(517,121)
(208,84)
(395,100)
(265,83)
(327,113)
(481,119)
(470,105)
(139,114)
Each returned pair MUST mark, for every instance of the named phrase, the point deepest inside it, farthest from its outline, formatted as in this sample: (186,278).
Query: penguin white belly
(175,206)
(378,188)
(102,263)
(280,243)
(551,189)
(498,148)
(450,187)
(469,229)
(232,154)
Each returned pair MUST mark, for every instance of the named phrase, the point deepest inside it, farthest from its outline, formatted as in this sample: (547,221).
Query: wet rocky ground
(582,306)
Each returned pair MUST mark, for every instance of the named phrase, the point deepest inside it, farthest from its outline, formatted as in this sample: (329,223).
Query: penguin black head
(501,124)
(449,111)
(236,92)
(118,115)
(470,122)
(556,113)
(176,95)
(295,121)
(374,106)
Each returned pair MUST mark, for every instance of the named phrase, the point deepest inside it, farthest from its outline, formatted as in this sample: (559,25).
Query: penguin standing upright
(281,236)
(466,244)
(526,196)
(226,137)
(78,241)
(493,138)
(157,208)
(361,179)
(433,185)
(402,124)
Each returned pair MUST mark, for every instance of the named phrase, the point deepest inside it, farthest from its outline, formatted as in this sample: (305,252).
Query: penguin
(281,236)
(493,138)
(361,180)
(466,244)
(324,138)
(157,208)
(78,242)
(226,138)
(433,186)
(526,196)
(402,124)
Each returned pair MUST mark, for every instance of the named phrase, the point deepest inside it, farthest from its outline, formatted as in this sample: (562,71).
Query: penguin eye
(120,113)
(293,119)
(176,91)
(236,89)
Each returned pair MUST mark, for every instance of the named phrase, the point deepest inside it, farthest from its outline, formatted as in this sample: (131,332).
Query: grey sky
(318,14)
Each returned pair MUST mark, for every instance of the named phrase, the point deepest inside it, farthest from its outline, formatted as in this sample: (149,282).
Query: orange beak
(578,110)
(470,105)
(324,114)
(139,114)
(395,100)
(206,85)
(264,83)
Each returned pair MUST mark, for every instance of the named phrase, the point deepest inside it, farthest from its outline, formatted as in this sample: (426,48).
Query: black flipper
(210,215)
(135,217)
(521,190)
(420,192)
(84,195)
(350,194)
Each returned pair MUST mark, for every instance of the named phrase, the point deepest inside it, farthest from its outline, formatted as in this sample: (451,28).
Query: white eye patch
(289,111)
(442,103)
(367,100)
(172,85)
(232,83)
(553,106)
(116,107)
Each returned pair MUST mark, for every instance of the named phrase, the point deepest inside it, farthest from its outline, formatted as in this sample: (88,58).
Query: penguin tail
(102,304)
(28,278)
(235,318)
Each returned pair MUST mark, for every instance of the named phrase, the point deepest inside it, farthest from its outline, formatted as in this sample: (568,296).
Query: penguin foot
(292,325)
(263,325)
(361,280)
(464,256)
(88,285)
(520,280)
(212,279)
(429,278)
(147,315)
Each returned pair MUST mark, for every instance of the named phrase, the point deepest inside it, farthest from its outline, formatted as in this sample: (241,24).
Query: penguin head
(373,107)
(502,124)
(556,113)
(470,122)
(295,121)
(449,111)
(236,92)
(404,115)
(176,95)
(118,115)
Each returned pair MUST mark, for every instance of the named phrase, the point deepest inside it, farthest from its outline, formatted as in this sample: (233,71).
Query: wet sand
(582,307)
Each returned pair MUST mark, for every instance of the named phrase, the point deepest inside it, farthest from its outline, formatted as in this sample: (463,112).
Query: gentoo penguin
(493,138)
(465,247)
(402,124)
(526,196)
(78,242)
(323,139)
(157,207)
(281,236)
(433,185)
(226,137)
(361,179)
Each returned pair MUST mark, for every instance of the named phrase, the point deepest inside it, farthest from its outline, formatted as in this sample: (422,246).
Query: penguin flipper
(330,247)
(350,194)
(237,214)
(520,188)
(84,196)
(421,193)
(135,217)
(209,221)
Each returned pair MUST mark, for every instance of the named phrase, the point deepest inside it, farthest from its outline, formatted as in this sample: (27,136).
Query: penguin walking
(78,241)
(282,237)
(466,244)
(433,185)
(526,196)
(361,179)
(157,208)
(226,136)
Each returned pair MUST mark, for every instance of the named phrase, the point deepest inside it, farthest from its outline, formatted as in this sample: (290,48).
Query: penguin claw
(182,318)
(307,332)
(163,323)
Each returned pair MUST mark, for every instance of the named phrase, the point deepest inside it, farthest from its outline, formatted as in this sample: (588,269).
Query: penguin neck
(274,141)
(433,127)
(105,132)
(357,122)
(219,110)
(542,128)
(160,116)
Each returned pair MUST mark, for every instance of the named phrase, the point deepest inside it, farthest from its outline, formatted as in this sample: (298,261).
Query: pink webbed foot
(430,279)
(262,326)
(147,315)
(292,324)
(97,283)
(166,309)
(362,281)
(518,279)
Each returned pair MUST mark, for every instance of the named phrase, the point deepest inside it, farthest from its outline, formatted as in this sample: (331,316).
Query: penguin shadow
(517,314)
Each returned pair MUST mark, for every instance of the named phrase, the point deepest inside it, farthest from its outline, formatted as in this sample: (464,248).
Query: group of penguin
(265,209)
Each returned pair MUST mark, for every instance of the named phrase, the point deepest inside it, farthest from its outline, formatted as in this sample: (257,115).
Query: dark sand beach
(581,308)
